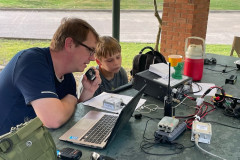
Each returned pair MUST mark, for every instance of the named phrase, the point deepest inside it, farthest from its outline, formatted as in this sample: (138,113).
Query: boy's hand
(89,87)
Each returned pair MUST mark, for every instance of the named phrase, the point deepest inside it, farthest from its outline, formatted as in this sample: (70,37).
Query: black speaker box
(154,87)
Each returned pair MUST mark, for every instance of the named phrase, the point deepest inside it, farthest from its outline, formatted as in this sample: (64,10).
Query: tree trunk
(160,26)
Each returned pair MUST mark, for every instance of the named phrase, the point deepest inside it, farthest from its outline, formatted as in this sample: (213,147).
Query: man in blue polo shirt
(39,81)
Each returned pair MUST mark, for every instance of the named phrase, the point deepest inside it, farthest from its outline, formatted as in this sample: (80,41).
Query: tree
(160,26)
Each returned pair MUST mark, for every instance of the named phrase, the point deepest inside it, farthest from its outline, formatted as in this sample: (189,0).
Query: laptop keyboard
(100,130)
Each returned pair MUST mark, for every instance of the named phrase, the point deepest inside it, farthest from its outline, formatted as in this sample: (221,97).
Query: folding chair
(236,46)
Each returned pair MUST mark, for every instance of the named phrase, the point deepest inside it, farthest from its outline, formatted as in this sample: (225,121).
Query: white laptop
(97,129)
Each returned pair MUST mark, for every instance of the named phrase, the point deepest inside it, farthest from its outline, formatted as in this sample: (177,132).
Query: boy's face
(111,63)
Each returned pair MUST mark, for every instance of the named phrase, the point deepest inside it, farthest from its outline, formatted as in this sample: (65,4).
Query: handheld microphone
(168,98)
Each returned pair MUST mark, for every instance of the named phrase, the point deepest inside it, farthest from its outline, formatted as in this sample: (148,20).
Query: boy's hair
(75,28)
(107,46)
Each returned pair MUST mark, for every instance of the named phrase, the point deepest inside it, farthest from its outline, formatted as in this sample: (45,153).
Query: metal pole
(116,19)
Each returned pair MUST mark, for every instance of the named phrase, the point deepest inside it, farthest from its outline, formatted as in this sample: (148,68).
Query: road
(135,26)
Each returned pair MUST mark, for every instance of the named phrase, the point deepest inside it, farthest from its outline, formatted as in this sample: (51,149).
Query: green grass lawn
(106,4)
(9,47)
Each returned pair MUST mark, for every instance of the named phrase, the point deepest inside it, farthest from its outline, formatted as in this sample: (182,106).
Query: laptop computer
(85,131)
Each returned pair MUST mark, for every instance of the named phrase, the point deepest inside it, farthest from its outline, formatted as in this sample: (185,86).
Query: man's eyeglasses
(91,50)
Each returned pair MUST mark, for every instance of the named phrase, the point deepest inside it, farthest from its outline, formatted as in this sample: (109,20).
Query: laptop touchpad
(85,124)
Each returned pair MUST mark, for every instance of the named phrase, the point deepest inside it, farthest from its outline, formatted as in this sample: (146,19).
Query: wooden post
(236,46)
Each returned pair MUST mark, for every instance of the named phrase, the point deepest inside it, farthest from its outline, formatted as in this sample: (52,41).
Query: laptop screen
(126,113)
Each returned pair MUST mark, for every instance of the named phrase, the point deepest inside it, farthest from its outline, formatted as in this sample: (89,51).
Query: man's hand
(90,87)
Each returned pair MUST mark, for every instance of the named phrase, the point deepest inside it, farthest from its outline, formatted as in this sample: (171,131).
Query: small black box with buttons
(231,80)
(69,154)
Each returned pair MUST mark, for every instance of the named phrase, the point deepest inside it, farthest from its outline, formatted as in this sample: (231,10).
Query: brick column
(182,19)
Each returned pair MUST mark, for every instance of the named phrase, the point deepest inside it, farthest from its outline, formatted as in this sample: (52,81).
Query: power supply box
(204,131)
(157,86)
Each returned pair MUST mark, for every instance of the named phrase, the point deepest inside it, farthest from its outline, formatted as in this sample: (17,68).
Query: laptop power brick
(172,135)
(204,130)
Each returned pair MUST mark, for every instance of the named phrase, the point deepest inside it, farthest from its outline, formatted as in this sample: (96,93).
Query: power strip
(204,130)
